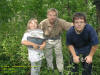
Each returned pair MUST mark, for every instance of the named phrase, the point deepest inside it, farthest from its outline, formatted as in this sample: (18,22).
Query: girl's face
(33,24)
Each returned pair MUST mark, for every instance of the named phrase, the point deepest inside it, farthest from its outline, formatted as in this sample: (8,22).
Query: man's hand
(88,59)
(76,59)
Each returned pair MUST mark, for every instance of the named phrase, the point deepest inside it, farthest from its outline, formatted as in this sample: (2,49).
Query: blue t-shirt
(84,41)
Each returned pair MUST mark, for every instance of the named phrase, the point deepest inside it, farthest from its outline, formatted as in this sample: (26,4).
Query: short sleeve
(93,37)
(68,38)
(41,25)
(24,37)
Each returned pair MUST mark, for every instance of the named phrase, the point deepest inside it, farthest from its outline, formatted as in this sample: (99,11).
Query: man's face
(79,24)
(52,16)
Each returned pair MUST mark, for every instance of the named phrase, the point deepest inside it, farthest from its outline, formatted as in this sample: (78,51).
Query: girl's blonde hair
(28,24)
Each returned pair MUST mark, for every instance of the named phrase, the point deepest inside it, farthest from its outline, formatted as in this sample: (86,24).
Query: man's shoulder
(61,20)
(44,21)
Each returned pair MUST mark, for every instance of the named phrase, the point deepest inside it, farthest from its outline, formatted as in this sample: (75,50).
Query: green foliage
(14,15)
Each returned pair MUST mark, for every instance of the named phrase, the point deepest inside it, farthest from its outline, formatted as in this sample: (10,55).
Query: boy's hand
(76,59)
(88,59)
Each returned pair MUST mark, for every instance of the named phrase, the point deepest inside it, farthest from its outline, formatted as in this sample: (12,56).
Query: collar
(55,23)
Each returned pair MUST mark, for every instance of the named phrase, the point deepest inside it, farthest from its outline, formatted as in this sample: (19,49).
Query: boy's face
(79,24)
(33,24)
(52,16)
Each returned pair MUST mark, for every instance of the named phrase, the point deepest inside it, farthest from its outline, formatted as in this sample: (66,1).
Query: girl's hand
(41,47)
(35,46)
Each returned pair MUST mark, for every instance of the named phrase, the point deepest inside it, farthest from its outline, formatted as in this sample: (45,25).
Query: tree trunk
(98,20)
(97,3)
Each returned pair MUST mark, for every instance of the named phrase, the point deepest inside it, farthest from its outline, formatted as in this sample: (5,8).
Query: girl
(35,52)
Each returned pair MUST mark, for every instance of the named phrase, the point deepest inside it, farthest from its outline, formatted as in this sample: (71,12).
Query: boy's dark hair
(79,15)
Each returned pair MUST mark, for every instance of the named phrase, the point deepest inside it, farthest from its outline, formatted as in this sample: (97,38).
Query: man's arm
(90,56)
(66,25)
(72,51)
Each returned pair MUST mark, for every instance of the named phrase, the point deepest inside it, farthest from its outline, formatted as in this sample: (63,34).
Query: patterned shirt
(55,30)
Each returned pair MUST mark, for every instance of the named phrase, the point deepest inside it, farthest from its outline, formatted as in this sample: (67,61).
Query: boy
(82,40)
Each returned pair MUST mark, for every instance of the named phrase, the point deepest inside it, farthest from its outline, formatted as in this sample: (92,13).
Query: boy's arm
(90,56)
(72,51)
(69,43)
(94,42)
(93,50)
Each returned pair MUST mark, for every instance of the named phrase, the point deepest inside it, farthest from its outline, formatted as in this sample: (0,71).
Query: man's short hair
(54,10)
(79,15)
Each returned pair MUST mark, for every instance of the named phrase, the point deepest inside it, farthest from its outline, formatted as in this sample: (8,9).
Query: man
(52,27)
(82,41)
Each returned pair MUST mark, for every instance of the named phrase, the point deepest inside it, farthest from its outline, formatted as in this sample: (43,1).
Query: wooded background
(14,15)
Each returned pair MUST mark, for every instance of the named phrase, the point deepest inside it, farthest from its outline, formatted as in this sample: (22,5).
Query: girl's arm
(42,46)
(25,42)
